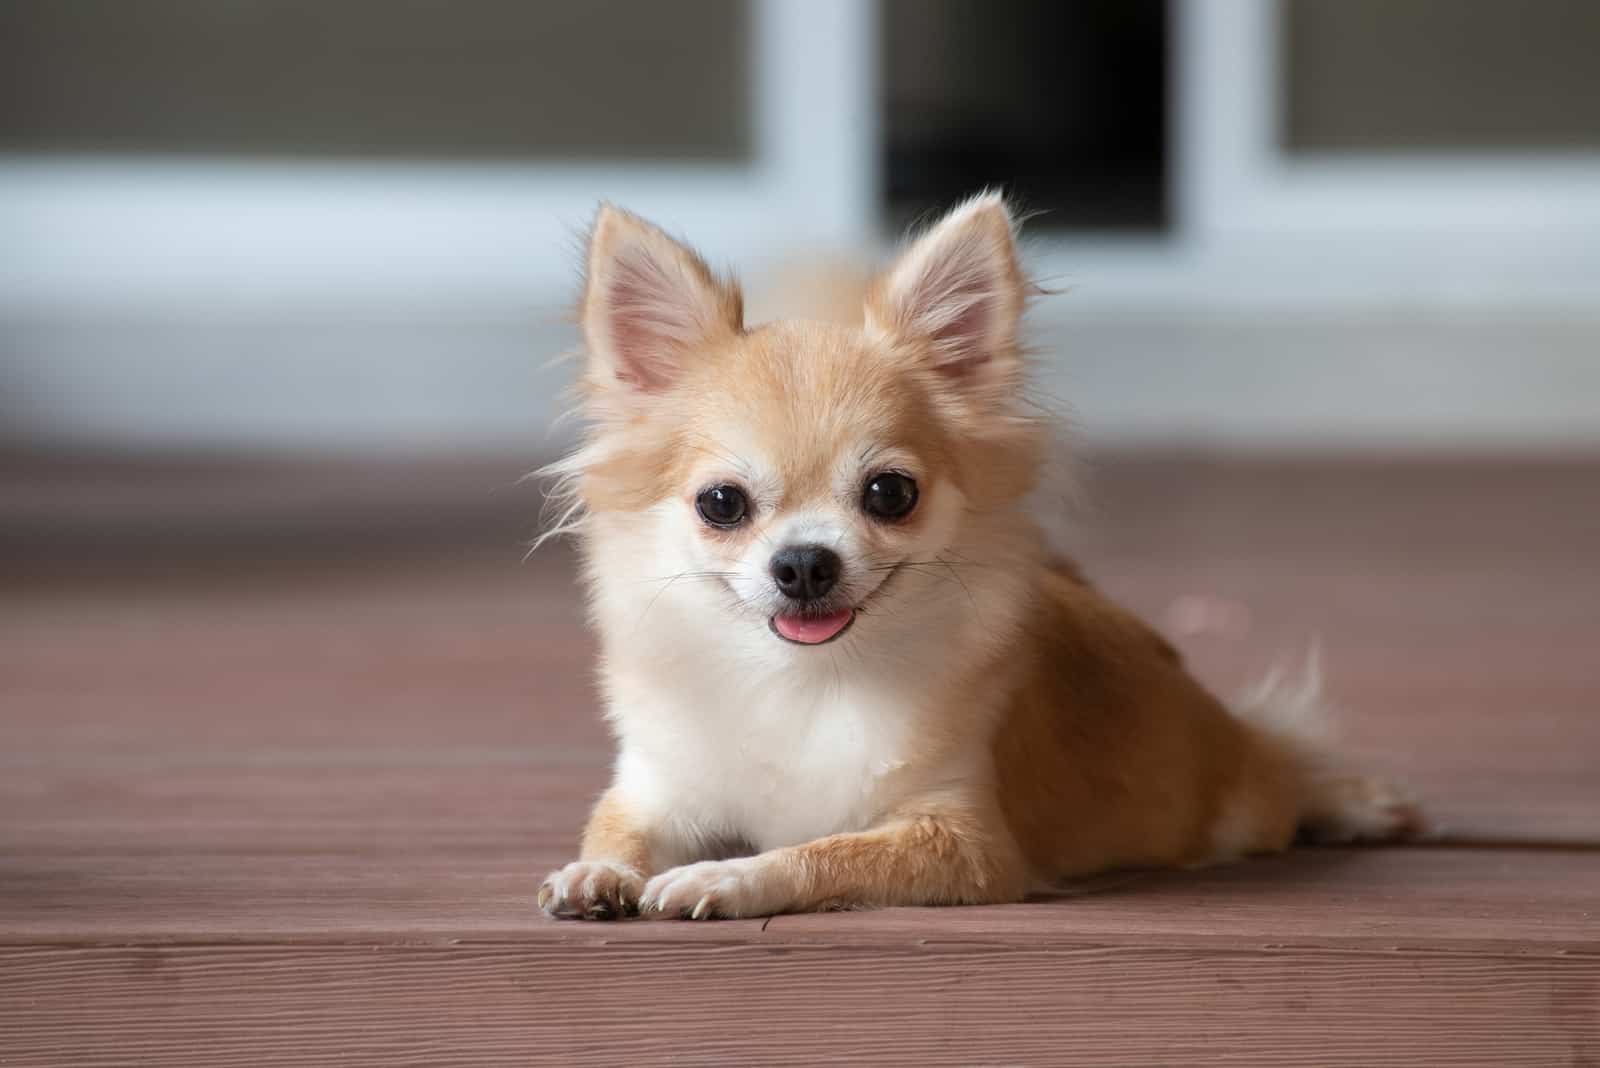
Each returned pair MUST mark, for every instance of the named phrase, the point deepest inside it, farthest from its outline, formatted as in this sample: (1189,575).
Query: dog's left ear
(958,292)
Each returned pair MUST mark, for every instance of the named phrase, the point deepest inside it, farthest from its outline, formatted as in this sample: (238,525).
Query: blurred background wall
(292,226)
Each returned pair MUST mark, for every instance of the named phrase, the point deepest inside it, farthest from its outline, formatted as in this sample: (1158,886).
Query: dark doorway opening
(1062,104)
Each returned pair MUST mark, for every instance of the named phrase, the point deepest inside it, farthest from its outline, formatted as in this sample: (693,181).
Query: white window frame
(163,235)
(1251,225)
(1523,226)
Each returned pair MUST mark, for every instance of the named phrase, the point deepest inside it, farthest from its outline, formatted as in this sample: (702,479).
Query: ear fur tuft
(649,302)
(957,289)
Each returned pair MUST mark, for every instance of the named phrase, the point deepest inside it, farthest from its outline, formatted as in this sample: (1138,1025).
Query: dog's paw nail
(590,890)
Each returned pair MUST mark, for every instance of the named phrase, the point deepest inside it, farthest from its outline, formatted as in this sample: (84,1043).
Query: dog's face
(799,480)
(805,470)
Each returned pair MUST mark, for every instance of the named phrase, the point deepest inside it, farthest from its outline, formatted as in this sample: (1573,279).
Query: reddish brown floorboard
(283,752)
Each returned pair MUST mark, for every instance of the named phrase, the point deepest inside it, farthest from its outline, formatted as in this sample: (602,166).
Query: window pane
(1394,75)
(389,78)
(1062,103)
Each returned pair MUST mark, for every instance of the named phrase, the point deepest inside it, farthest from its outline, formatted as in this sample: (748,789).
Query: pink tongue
(810,630)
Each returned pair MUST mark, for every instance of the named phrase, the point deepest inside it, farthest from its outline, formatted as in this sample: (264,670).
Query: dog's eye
(721,506)
(890,495)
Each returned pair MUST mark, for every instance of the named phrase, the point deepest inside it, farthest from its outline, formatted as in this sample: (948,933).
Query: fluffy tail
(1335,802)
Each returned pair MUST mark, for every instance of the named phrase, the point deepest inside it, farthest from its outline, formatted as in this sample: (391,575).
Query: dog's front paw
(1360,808)
(715,889)
(591,890)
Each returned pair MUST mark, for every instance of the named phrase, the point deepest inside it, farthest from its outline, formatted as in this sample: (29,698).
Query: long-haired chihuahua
(842,664)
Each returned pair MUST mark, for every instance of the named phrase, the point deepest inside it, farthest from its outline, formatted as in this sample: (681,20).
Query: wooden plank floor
(284,752)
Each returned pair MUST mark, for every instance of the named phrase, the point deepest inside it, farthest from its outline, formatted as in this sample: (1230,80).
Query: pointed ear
(959,290)
(649,303)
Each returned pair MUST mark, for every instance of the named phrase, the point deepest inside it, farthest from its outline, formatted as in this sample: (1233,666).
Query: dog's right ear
(648,304)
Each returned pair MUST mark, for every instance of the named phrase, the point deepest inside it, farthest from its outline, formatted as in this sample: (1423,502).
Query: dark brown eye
(721,506)
(889,495)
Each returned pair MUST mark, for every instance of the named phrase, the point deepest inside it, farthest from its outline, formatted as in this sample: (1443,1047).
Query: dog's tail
(1335,802)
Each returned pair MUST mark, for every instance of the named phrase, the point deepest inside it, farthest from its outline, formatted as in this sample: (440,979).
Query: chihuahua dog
(842,665)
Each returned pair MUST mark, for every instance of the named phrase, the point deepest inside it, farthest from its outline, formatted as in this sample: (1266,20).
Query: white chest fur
(772,766)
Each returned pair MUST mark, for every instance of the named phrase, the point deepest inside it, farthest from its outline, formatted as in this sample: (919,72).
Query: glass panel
(1062,103)
(1398,75)
(601,79)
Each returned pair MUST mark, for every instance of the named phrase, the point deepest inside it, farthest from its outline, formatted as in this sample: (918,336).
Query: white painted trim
(1142,376)
(304,306)
(818,119)
(1217,102)
(162,235)
(1237,183)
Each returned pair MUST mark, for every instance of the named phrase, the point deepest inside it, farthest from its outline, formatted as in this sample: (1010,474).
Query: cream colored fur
(986,723)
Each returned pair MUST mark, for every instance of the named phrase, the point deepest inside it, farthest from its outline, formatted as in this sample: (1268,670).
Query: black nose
(805,572)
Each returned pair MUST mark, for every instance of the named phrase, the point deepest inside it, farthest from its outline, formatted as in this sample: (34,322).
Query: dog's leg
(607,879)
(931,856)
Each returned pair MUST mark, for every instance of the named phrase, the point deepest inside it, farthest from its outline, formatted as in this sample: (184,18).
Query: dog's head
(800,481)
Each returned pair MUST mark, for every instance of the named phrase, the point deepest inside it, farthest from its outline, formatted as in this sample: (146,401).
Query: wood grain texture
(747,1003)
(278,777)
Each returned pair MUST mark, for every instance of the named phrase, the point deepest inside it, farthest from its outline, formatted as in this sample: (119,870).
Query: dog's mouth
(812,627)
